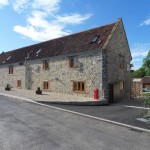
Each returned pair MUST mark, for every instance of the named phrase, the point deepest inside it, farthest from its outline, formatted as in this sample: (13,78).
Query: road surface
(28,126)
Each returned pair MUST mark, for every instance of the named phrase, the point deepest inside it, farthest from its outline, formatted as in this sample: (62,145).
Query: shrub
(8,87)
(38,91)
(147,104)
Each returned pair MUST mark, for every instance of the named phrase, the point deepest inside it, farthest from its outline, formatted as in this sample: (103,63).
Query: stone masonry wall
(6,78)
(118,46)
(59,75)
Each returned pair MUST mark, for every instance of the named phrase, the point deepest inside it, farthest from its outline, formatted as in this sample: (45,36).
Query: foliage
(8,87)
(147,104)
(38,91)
(146,64)
(144,70)
(138,73)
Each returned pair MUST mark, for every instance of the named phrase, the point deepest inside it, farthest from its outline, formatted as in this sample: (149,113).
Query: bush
(38,91)
(147,104)
(8,87)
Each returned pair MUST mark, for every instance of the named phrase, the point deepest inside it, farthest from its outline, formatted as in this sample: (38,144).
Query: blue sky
(26,22)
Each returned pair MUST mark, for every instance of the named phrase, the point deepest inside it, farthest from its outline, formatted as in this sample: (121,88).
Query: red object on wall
(96,96)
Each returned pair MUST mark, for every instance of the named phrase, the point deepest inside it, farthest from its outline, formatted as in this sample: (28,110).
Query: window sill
(46,69)
(74,67)
(81,92)
(46,90)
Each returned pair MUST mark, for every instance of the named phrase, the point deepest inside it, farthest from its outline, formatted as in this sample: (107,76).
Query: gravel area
(46,96)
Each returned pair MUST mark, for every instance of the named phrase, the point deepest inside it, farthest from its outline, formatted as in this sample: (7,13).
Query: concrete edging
(88,103)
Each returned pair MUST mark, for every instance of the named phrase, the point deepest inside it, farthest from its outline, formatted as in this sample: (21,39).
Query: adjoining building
(75,64)
(146,82)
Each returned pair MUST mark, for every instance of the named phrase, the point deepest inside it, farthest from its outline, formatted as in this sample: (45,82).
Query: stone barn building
(75,64)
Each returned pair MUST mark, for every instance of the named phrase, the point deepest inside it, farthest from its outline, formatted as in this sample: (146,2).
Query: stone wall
(118,46)
(59,75)
(18,74)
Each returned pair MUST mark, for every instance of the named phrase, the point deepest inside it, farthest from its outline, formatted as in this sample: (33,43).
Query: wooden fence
(136,87)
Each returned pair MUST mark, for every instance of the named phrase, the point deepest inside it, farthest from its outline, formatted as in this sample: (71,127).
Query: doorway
(111,93)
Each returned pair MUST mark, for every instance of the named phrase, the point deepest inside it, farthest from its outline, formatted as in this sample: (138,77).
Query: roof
(146,79)
(78,42)
(137,80)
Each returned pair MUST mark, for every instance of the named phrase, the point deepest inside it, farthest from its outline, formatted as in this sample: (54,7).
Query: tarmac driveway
(119,113)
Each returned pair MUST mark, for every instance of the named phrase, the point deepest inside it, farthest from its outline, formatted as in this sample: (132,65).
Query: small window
(45,85)
(78,86)
(45,65)
(94,40)
(8,57)
(121,85)
(19,83)
(73,61)
(11,69)
(38,51)
(121,61)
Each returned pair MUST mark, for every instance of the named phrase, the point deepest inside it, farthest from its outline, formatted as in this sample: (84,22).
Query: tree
(144,70)
(138,73)
(146,64)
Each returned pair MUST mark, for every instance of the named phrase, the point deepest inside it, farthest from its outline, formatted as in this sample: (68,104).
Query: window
(78,86)
(94,40)
(121,85)
(45,64)
(45,85)
(10,69)
(121,61)
(8,57)
(73,61)
(37,53)
(19,83)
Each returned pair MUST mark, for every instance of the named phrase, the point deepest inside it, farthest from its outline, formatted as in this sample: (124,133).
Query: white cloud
(140,50)
(46,5)
(44,21)
(3,3)
(20,5)
(146,22)
(73,19)
(136,67)
(41,34)
(139,54)
(39,29)
(136,60)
